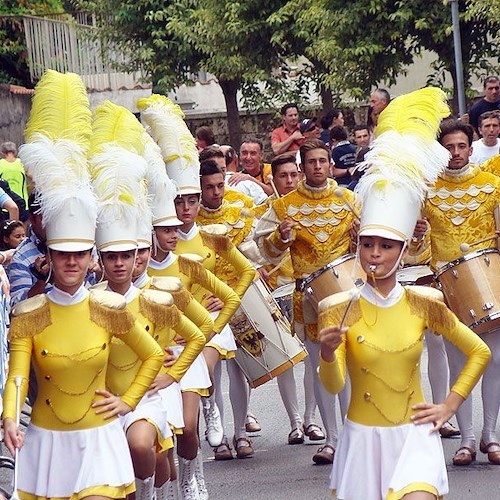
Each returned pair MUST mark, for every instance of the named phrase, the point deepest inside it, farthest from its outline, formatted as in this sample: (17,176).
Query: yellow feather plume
(114,124)
(418,113)
(60,109)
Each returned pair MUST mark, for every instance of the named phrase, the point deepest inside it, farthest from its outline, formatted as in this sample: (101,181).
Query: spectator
(379,100)
(7,203)
(490,101)
(343,155)
(18,201)
(12,170)
(12,234)
(487,147)
(204,137)
(361,135)
(287,137)
(332,118)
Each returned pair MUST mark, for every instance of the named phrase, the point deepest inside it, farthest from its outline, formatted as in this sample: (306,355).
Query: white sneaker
(214,431)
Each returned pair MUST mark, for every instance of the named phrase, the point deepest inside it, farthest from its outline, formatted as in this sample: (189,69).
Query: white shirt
(249,188)
(482,153)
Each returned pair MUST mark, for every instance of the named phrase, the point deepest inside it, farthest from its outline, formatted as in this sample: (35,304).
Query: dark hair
(253,140)
(288,106)
(205,134)
(487,115)
(282,159)
(311,144)
(338,133)
(7,229)
(209,167)
(451,126)
(490,79)
(327,120)
(9,147)
(212,151)
(361,126)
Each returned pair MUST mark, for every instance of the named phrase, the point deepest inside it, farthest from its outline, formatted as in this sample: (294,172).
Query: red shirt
(281,133)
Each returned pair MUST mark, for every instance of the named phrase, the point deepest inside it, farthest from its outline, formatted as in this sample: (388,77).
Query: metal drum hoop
(340,260)
(465,258)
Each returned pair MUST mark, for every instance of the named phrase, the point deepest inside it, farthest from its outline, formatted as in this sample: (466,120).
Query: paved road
(279,471)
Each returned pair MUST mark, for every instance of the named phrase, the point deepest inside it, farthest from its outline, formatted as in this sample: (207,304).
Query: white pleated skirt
(224,341)
(375,463)
(197,376)
(172,401)
(151,409)
(63,464)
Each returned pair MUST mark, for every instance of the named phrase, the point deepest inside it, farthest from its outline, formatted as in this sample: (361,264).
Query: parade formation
(149,264)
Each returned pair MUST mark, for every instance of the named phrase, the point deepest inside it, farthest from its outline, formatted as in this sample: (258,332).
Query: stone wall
(14,114)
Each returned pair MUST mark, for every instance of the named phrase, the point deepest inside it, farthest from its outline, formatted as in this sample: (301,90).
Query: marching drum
(471,286)
(335,277)
(415,275)
(284,298)
(266,347)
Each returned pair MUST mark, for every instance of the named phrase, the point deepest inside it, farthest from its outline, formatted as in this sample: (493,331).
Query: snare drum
(335,277)
(415,275)
(266,347)
(471,286)
(284,298)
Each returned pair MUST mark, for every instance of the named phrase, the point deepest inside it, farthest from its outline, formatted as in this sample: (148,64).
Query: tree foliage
(13,67)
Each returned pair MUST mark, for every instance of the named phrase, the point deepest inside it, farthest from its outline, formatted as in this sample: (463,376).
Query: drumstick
(464,247)
(340,194)
(273,185)
(354,295)
(17,381)
(277,266)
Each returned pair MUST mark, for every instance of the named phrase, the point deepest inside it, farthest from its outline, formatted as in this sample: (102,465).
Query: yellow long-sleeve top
(492,165)
(240,230)
(382,350)
(69,346)
(157,313)
(460,209)
(237,198)
(220,256)
(191,272)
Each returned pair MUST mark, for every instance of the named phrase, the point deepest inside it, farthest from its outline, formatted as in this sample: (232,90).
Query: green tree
(13,64)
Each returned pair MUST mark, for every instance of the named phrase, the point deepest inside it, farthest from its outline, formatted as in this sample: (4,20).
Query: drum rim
(485,319)
(340,260)
(465,258)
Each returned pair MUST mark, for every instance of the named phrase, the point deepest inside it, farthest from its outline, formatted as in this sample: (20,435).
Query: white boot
(172,490)
(188,486)
(213,422)
(144,488)
(200,477)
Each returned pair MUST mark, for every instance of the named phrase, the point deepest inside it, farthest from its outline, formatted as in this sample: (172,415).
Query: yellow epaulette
(109,311)
(173,285)
(30,317)
(215,237)
(331,310)
(191,265)
(159,308)
(428,303)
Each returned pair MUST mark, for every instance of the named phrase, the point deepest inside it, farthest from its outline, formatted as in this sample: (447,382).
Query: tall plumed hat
(117,167)
(404,161)
(165,122)
(55,157)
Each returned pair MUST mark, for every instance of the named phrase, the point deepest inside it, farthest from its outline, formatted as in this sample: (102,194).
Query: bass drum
(266,347)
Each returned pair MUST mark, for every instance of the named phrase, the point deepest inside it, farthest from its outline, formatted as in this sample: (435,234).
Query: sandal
(252,424)
(314,432)
(296,436)
(464,456)
(223,452)
(492,450)
(324,455)
(243,447)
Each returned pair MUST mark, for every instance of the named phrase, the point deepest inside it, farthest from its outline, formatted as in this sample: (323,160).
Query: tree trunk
(230,91)
(326,99)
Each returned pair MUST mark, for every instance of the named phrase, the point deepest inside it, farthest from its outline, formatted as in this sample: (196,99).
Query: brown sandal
(464,456)
(314,432)
(492,450)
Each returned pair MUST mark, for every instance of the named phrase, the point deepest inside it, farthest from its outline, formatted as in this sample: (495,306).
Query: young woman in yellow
(74,445)
(377,333)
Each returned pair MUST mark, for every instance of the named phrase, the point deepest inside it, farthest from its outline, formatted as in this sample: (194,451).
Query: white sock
(310,398)
(288,393)
(238,395)
(490,388)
